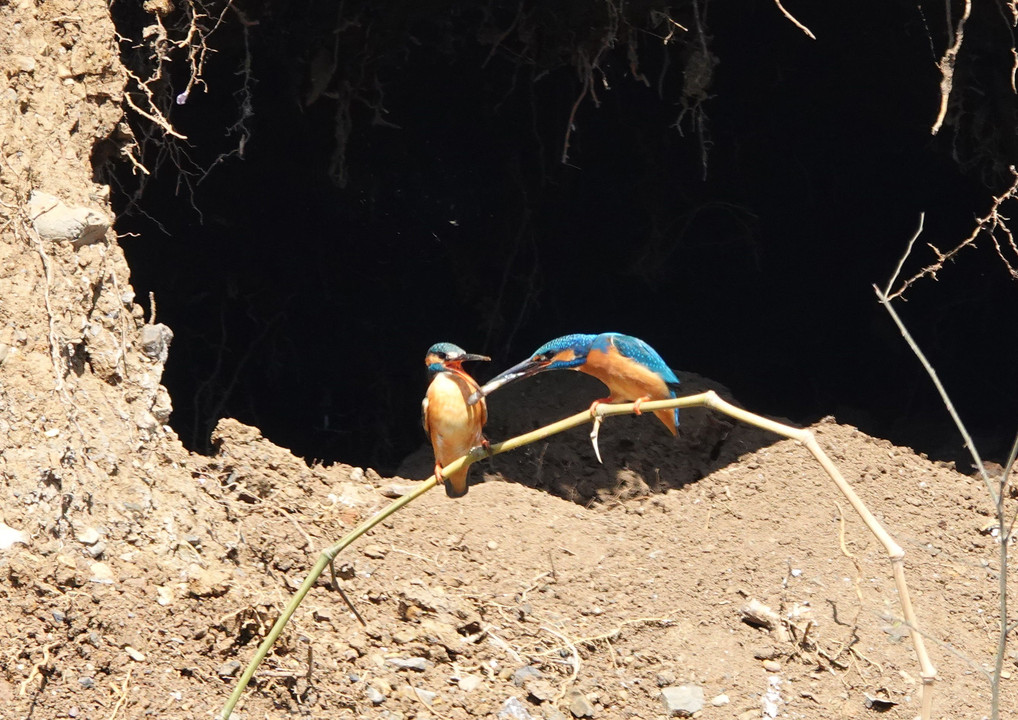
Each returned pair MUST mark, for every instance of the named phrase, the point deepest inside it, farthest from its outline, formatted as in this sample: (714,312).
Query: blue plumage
(630,368)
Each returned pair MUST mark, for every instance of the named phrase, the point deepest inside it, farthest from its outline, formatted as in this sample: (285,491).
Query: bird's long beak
(516,372)
(467,357)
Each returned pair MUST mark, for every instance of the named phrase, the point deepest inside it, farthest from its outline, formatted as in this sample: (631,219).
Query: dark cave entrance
(303,305)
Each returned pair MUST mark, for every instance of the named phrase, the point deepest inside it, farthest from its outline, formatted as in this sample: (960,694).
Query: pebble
(665,678)
(97,550)
(682,700)
(512,709)
(469,683)
(411,663)
(54,220)
(228,669)
(135,655)
(772,666)
(375,552)
(539,689)
(86,682)
(24,63)
(720,701)
(521,675)
(101,573)
(425,696)
(59,617)
(580,706)
(87,536)
(374,696)
(492,545)
(164,595)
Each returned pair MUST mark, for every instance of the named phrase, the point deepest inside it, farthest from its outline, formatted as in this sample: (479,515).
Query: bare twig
(990,223)
(998,493)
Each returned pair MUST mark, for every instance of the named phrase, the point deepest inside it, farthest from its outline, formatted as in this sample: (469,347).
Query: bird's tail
(456,483)
(670,418)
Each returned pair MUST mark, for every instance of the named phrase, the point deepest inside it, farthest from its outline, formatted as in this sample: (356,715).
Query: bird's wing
(641,352)
(424,417)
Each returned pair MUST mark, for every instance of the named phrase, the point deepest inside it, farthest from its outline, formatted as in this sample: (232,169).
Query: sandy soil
(146,576)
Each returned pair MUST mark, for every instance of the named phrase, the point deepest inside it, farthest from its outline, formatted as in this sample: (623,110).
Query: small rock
(98,550)
(720,701)
(772,666)
(100,573)
(469,683)
(54,220)
(164,595)
(228,669)
(394,490)
(9,536)
(374,696)
(375,552)
(415,693)
(135,655)
(665,678)
(521,675)
(492,545)
(88,683)
(682,700)
(579,705)
(512,709)
(155,341)
(24,63)
(87,535)
(404,636)
(72,711)
(59,617)
(411,663)
(538,689)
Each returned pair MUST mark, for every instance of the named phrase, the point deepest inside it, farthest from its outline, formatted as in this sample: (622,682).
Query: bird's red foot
(438,474)
(486,444)
(593,405)
(638,402)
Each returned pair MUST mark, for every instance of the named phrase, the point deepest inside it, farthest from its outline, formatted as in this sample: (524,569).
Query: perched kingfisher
(632,370)
(453,426)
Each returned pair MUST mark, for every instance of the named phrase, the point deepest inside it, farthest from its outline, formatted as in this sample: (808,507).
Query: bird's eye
(542,357)
(441,355)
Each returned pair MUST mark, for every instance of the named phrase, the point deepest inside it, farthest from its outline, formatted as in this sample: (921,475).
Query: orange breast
(628,380)
(454,426)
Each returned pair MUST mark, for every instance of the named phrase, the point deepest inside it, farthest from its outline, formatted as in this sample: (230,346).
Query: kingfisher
(632,370)
(453,425)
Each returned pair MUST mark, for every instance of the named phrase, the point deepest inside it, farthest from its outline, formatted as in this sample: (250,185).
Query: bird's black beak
(516,372)
(467,357)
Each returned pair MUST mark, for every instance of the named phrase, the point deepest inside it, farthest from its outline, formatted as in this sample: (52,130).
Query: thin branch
(990,223)
(885,300)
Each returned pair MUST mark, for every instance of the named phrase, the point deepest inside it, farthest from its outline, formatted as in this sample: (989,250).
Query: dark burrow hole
(304,285)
